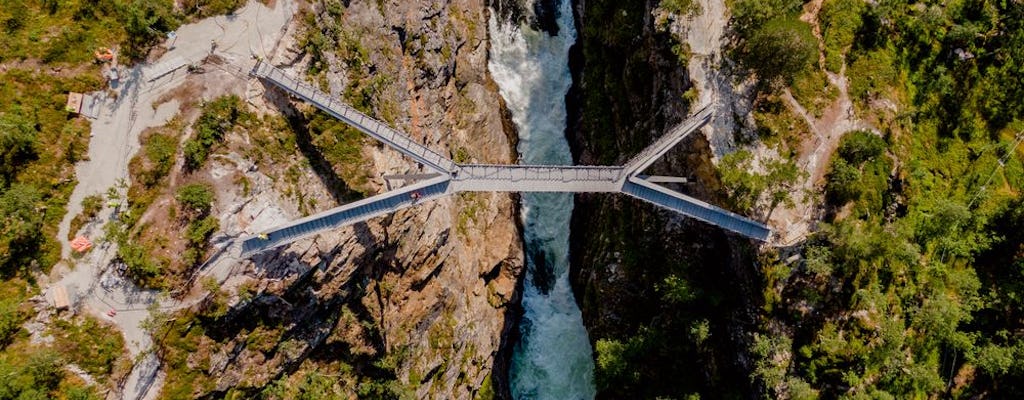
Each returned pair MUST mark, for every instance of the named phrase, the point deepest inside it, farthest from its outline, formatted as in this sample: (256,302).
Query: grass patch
(813,91)
(91,206)
(94,346)
(39,144)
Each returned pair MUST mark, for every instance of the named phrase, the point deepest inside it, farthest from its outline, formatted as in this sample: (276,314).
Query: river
(553,358)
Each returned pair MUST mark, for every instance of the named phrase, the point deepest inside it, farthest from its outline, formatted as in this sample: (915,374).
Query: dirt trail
(711,73)
(793,224)
(254,30)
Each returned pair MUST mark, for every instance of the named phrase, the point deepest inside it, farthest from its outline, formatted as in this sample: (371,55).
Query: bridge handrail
(666,140)
(389,136)
(705,212)
(538,172)
(365,209)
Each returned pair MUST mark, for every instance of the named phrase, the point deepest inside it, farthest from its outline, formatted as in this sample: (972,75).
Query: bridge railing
(694,208)
(347,214)
(380,131)
(538,173)
(647,156)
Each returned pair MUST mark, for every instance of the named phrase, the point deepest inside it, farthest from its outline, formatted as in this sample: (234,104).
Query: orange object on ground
(81,244)
(104,54)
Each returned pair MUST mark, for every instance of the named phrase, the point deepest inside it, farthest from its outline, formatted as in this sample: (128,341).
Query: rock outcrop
(646,278)
(426,290)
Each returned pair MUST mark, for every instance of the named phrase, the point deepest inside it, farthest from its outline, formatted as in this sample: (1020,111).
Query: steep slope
(663,297)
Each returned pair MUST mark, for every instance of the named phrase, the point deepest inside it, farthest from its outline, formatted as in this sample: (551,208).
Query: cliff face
(441,275)
(422,296)
(662,295)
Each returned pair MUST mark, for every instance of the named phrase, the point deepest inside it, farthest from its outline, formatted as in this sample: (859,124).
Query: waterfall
(553,359)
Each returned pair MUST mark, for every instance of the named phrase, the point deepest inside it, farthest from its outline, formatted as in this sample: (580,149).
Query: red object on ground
(81,244)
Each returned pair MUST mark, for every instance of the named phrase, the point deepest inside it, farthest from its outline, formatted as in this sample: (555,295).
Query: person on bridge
(415,197)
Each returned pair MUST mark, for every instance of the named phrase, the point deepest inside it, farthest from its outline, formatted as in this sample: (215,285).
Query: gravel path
(254,30)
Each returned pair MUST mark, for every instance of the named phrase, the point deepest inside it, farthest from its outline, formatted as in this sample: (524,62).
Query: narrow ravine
(552,359)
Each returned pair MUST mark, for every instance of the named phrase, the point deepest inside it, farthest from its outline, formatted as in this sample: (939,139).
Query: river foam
(553,359)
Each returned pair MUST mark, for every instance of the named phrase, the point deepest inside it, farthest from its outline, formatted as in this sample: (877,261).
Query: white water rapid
(552,359)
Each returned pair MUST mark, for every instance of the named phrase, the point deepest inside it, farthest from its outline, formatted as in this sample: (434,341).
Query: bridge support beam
(451,177)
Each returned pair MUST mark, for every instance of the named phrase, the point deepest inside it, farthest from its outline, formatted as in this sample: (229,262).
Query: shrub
(840,20)
(206,8)
(201,230)
(91,345)
(20,225)
(137,260)
(779,50)
(859,146)
(842,182)
(680,7)
(17,143)
(160,150)
(196,198)
(218,117)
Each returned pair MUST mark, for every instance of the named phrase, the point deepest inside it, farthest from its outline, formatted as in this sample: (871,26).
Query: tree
(20,226)
(746,187)
(743,187)
(196,198)
(859,146)
(17,143)
(145,22)
(780,50)
(750,14)
(841,182)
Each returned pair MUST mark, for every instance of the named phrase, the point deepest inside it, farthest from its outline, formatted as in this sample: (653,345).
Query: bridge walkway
(454,177)
(694,208)
(348,214)
(368,125)
(536,178)
(652,153)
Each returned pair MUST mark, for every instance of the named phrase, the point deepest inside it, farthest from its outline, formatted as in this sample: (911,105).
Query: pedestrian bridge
(447,177)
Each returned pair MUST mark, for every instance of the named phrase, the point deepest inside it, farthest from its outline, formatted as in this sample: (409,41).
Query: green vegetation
(91,206)
(749,190)
(859,171)
(38,146)
(160,150)
(90,344)
(840,20)
(218,117)
(911,287)
(196,199)
(67,32)
(680,7)
(37,371)
(208,8)
(779,50)
(341,147)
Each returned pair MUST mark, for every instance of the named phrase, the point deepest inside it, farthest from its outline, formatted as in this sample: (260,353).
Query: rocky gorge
(426,302)
(665,297)
(413,304)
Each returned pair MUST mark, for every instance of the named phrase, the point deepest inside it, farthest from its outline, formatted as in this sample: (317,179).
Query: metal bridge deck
(378,130)
(537,178)
(347,214)
(453,177)
(692,207)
